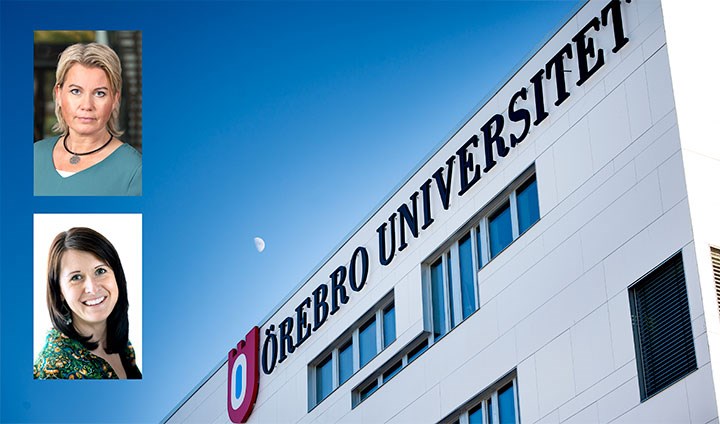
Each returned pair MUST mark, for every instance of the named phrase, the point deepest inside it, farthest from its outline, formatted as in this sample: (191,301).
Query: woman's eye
(101,94)
(100,271)
(74,91)
(76,277)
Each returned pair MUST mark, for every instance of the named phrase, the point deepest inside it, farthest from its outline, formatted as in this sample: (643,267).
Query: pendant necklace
(75,158)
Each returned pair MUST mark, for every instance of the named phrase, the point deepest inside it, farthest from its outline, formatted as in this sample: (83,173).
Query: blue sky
(289,121)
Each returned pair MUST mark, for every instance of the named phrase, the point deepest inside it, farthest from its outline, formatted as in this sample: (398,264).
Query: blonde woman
(87,158)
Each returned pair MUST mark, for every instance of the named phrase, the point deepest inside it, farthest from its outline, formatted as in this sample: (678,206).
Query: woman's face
(88,286)
(86,101)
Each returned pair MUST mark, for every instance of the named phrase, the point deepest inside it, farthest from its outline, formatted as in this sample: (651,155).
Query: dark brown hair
(87,240)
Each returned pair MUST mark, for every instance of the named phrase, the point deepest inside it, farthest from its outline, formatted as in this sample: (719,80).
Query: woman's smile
(94,302)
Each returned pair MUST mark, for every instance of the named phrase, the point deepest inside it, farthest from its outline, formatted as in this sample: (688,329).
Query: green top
(119,174)
(66,358)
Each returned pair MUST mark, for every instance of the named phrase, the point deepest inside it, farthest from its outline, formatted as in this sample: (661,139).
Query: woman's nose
(90,285)
(87,102)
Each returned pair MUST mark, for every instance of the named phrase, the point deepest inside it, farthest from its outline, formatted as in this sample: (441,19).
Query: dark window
(467,280)
(345,358)
(388,325)
(417,350)
(476,415)
(368,342)
(664,345)
(527,204)
(324,375)
(438,299)
(367,391)
(479,243)
(390,373)
(349,353)
(500,228)
(506,404)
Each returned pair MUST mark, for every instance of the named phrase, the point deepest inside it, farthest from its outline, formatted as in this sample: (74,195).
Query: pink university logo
(243,373)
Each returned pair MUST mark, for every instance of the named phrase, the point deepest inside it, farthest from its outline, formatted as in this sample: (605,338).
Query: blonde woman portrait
(87,156)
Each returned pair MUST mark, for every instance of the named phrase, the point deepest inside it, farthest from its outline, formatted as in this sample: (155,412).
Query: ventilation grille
(715,257)
(662,329)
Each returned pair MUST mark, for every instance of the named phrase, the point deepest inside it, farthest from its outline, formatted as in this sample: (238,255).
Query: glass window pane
(438,299)
(467,282)
(478,243)
(500,227)
(345,358)
(417,351)
(475,415)
(506,405)
(527,203)
(323,378)
(368,343)
(490,411)
(388,325)
(451,290)
(390,373)
(367,391)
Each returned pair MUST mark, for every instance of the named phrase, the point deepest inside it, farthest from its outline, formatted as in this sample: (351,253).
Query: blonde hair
(92,55)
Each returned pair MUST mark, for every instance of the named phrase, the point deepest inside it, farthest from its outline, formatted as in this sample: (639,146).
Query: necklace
(75,158)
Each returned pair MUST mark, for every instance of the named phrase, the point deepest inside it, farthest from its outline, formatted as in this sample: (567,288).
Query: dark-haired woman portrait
(88,304)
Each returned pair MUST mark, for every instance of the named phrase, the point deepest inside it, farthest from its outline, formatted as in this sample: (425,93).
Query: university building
(556,260)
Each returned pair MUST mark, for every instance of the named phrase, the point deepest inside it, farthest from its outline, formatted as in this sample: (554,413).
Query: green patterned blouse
(66,358)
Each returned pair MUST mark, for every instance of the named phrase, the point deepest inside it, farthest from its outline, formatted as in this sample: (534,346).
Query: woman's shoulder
(46,144)
(63,358)
(133,372)
(56,359)
(129,153)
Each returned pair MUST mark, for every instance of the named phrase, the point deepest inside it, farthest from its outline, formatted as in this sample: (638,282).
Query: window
(511,219)
(664,347)
(324,376)
(452,286)
(498,404)
(437,284)
(368,390)
(452,275)
(527,205)
(390,373)
(467,280)
(390,369)
(358,346)
(388,325)
(500,229)
(475,416)
(368,344)
(345,360)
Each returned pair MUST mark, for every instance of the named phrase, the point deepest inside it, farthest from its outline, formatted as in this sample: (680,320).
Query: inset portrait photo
(88,113)
(87,296)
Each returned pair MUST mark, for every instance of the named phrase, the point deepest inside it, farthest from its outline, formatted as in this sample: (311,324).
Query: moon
(259,244)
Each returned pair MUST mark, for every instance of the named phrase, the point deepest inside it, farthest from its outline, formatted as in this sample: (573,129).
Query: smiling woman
(87,157)
(88,304)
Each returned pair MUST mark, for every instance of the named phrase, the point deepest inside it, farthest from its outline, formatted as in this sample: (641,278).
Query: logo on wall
(243,373)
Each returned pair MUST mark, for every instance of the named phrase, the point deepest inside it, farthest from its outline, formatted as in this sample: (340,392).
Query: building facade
(556,260)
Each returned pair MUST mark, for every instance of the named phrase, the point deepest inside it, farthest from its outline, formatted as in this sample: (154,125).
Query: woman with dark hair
(88,304)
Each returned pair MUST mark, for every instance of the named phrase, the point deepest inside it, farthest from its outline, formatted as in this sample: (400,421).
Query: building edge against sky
(488,307)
